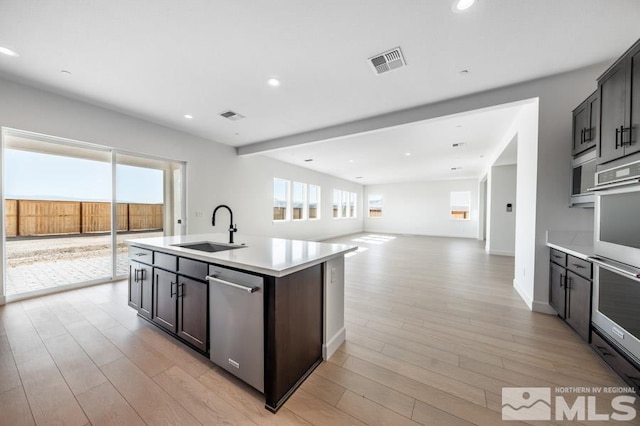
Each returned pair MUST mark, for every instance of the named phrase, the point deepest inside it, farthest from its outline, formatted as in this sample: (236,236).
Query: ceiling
(161,59)
(419,151)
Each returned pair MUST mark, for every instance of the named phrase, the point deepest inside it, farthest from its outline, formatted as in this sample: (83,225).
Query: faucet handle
(232,228)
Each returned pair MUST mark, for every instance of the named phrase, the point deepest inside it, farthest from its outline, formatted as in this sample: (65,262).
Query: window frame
(369,198)
(466,213)
(305,205)
(317,200)
(288,213)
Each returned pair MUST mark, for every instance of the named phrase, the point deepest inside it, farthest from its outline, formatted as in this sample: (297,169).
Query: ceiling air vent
(458,145)
(388,61)
(232,115)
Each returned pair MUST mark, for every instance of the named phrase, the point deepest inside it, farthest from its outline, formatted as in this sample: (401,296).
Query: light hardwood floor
(434,332)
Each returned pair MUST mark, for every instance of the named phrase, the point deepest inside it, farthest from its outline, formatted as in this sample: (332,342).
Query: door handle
(234,285)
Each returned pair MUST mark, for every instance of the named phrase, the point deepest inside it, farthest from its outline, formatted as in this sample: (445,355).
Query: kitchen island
(266,309)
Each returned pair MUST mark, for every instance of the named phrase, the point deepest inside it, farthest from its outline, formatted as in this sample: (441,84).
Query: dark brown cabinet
(140,284)
(557,293)
(578,313)
(165,292)
(586,129)
(570,290)
(619,89)
(192,312)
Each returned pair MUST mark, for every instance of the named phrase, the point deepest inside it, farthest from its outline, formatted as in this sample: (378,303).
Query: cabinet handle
(135,275)
(581,136)
(562,277)
(557,257)
(181,287)
(577,265)
(618,134)
(141,254)
(172,293)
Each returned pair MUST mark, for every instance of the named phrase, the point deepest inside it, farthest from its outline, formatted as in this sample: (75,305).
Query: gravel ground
(37,263)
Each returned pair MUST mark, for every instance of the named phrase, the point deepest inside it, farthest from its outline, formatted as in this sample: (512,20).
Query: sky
(30,175)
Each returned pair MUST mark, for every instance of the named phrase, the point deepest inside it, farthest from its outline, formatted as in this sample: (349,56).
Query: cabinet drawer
(165,261)
(629,372)
(579,266)
(140,254)
(192,268)
(558,257)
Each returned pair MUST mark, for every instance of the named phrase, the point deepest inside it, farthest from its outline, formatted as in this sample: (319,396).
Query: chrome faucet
(232,227)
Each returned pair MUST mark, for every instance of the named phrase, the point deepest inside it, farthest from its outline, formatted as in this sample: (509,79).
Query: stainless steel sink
(209,246)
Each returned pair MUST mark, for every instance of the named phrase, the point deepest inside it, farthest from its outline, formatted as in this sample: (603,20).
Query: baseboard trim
(333,344)
(523,295)
(501,253)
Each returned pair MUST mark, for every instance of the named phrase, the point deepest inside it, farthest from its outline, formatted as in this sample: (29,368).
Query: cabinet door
(580,125)
(192,312)
(593,128)
(579,304)
(145,280)
(557,295)
(634,141)
(165,288)
(134,285)
(612,114)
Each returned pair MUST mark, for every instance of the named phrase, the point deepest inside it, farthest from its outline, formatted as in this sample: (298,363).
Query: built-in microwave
(583,178)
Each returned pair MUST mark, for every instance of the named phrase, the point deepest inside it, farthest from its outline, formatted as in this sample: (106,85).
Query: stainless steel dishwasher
(236,324)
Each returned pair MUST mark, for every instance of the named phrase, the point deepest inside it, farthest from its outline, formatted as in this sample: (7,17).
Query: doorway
(70,206)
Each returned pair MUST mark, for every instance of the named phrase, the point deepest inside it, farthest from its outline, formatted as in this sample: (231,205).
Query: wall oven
(616,293)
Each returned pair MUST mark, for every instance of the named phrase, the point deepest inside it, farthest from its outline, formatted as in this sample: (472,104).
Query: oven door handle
(606,265)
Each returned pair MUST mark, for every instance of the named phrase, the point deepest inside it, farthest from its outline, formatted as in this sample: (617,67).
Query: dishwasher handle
(230,284)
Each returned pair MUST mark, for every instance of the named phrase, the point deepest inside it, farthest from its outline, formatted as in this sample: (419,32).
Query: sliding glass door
(69,207)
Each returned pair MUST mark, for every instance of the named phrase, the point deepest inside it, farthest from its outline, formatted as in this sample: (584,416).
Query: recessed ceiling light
(358,177)
(66,72)
(462,5)
(188,116)
(7,51)
(308,160)
(456,168)
(352,161)
(407,154)
(273,82)
(464,72)
(458,145)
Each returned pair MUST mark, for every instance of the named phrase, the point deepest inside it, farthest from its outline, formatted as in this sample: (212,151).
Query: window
(460,205)
(375,205)
(299,201)
(337,199)
(314,202)
(352,204)
(344,204)
(295,201)
(280,199)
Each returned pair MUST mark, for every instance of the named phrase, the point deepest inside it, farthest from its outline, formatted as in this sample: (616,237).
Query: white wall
(501,236)
(215,174)
(422,208)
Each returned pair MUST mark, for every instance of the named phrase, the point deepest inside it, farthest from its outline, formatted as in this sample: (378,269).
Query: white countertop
(575,243)
(270,256)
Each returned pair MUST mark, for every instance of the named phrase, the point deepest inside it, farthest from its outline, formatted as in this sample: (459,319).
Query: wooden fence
(38,217)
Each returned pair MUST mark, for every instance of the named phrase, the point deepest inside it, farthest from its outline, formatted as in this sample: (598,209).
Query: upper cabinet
(619,89)
(586,129)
